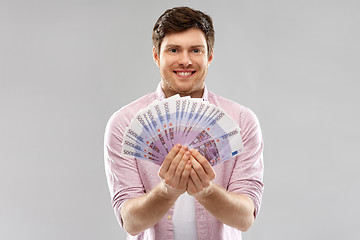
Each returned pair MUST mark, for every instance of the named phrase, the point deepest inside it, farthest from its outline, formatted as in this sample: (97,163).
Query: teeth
(184,73)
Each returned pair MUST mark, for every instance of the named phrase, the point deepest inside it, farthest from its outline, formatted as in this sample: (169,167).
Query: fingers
(196,189)
(196,182)
(191,189)
(201,175)
(185,175)
(174,165)
(184,170)
(168,159)
(204,163)
(179,171)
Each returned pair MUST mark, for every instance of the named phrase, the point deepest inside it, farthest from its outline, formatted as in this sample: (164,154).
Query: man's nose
(184,59)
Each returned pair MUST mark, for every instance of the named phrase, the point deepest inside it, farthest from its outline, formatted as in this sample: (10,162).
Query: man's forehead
(188,38)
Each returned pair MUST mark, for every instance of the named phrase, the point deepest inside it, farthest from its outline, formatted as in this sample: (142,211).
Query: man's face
(183,62)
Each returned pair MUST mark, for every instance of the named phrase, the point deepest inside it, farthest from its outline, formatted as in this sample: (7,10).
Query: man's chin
(189,92)
(182,88)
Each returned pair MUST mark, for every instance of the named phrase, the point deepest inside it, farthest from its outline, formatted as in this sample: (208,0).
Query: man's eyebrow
(198,46)
(172,45)
(178,46)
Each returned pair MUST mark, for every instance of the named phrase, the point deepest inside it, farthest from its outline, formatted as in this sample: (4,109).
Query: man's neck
(195,94)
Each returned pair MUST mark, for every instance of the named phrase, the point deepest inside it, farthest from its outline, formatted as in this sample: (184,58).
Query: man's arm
(232,209)
(145,211)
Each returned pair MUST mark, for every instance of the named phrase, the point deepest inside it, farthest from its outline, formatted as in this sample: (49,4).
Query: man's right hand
(175,171)
(145,211)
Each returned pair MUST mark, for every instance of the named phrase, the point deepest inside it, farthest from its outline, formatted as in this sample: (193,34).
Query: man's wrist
(167,192)
(205,193)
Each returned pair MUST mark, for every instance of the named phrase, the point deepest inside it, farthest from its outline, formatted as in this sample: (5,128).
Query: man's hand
(235,210)
(145,211)
(175,171)
(201,175)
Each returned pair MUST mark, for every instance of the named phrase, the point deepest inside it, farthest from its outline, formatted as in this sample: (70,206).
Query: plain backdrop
(66,66)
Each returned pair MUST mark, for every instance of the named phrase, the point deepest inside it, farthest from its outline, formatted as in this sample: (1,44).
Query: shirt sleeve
(122,173)
(247,175)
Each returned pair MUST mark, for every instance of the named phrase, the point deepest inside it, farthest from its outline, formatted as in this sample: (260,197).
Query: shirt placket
(169,224)
(202,227)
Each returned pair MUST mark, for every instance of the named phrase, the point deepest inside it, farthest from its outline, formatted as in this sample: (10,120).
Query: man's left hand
(201,175)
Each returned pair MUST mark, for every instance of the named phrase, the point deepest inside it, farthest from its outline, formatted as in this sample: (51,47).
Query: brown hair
(180,19)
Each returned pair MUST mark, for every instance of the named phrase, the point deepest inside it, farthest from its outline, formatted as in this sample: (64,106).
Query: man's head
(180,19)
(183,50)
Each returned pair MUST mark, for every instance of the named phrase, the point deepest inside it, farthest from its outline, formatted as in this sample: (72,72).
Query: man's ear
(211,57)
(156,57)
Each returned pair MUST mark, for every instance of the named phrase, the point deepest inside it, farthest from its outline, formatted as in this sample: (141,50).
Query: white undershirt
(184,218)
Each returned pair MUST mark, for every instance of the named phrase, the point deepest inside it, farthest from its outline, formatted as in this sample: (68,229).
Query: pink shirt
(129,178)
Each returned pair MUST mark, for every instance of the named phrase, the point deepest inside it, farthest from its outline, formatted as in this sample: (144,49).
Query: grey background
(66,66)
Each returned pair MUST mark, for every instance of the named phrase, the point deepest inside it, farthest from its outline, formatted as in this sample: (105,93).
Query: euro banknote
(193,122)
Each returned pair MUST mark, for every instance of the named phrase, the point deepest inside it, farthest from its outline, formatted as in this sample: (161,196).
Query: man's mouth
(184,73)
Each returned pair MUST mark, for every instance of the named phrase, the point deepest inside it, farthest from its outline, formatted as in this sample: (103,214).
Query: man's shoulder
(126,113)
(138,104)
(236,110)
(226,103)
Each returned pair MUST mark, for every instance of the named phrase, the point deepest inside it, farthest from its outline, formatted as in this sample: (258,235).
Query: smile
(184,73)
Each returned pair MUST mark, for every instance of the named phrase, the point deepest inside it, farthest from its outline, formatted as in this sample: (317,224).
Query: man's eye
(173,50)
(197,51)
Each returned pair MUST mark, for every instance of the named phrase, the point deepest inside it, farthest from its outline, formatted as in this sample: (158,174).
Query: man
(185,198)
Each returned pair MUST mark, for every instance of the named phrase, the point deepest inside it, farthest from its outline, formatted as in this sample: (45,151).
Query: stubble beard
(194,91)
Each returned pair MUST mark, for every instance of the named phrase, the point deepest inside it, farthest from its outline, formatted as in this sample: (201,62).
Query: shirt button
(169,217)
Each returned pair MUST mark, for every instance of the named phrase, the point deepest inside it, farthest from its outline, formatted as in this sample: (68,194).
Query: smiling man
(185,198)
(183,61)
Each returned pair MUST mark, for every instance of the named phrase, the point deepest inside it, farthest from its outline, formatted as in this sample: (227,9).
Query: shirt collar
(160,95)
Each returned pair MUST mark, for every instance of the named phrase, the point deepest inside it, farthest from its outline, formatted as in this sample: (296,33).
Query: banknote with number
(193,122)
(221,148)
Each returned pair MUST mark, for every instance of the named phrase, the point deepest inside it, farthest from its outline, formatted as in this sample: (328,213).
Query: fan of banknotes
(189,121)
